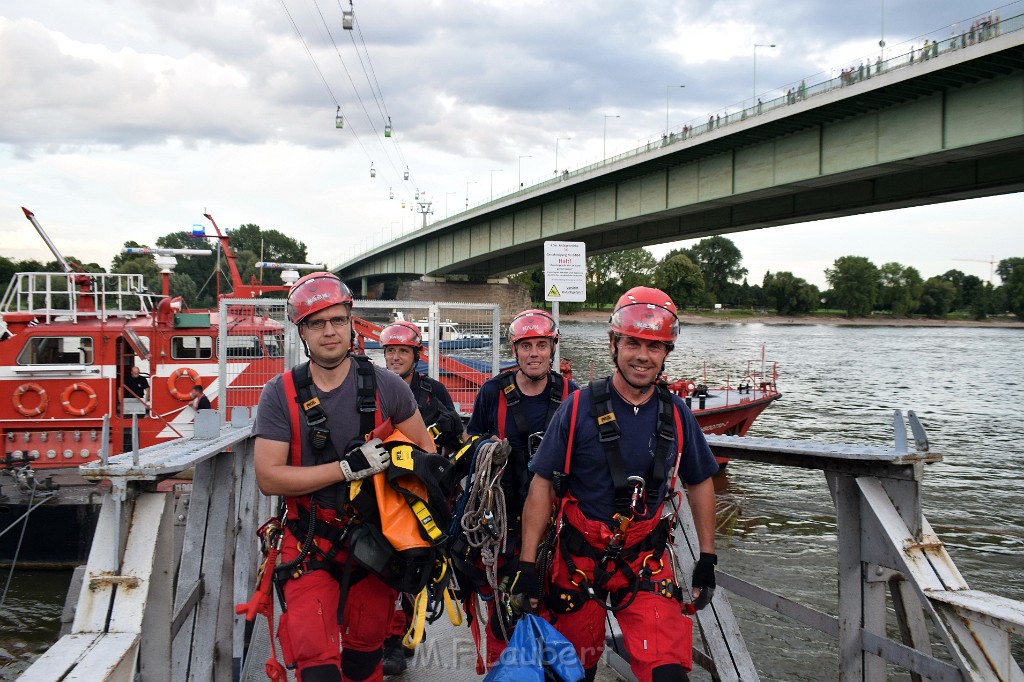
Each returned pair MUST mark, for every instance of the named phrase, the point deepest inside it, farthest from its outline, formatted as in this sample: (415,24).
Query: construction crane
(992,263)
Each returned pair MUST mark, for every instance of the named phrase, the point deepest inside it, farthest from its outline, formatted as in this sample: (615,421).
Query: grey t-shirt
(273,419)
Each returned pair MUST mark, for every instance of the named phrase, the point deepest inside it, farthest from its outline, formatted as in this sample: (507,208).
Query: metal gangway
(166,570)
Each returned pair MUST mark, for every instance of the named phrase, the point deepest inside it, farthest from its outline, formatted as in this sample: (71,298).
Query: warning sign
(565,271)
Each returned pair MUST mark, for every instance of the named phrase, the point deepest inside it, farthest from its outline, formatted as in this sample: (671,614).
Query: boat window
(243,347)
(191,347)
(57,350)
(274,344)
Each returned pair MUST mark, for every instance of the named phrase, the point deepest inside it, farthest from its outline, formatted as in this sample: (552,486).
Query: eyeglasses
(319,325)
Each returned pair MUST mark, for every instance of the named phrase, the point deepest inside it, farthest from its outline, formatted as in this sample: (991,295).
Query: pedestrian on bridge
(336,612)
(610,460)
(516,405)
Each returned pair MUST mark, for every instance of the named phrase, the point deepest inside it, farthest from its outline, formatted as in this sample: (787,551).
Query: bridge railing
(166,568)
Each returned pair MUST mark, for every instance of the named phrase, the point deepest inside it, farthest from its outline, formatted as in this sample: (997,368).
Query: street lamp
(446,202)
(604,145)
(471,182)
(666,103)
(493,171)
(757,45)
(524,156)
(556,151)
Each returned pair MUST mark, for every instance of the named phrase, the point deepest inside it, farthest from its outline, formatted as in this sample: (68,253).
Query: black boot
(394,656)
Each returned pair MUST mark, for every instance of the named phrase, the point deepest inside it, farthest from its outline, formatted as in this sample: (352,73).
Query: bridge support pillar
(364,287)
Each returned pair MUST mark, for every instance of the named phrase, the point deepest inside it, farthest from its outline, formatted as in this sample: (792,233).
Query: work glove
(365,460)
(704,580)
(447,430)
(522,586)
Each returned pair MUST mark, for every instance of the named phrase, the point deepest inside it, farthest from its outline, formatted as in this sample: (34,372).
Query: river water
(839,384)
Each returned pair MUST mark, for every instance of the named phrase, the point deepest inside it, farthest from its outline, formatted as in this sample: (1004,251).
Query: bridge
(904,132)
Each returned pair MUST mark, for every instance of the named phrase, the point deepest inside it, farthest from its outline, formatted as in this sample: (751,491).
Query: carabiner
(638,503)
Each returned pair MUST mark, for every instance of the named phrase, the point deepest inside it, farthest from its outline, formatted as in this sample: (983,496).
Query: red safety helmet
(532,324)
(646,313)
(316,291)
(401,334)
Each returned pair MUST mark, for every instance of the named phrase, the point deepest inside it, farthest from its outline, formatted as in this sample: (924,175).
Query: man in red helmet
(610,460)
(336,612)
(516,405)
(402,347)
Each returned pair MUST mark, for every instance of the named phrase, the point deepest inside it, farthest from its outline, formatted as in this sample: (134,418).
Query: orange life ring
(90,405)
(44,400)
(172,383)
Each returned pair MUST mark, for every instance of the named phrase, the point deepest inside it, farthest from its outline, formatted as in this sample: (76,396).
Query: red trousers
(654,629)
(309,630)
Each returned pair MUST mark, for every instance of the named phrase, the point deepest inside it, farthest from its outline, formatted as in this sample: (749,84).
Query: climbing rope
(484,521)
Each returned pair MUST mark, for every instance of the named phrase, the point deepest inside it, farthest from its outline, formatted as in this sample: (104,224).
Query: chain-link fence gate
(256,342)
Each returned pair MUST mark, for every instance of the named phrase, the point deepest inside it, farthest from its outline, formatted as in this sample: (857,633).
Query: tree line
(710,272)
(195,278)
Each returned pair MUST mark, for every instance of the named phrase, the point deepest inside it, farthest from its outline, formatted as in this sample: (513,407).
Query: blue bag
(535,653)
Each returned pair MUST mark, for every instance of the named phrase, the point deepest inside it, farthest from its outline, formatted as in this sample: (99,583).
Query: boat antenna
(53,249)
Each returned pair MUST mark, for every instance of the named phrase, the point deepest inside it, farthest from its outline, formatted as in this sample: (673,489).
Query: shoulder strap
(366,394)
(560,479)
(295,444)
(557,390)
(508,396)
(608,434)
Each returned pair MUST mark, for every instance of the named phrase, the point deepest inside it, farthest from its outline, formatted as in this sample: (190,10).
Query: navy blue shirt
(590,477)
(515,480)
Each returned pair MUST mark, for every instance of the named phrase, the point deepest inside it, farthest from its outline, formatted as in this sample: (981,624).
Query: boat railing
(53,296)
(152,593)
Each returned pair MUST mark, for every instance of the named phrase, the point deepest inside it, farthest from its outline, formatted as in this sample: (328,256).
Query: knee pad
(669,673)
(320,673)
(359,665)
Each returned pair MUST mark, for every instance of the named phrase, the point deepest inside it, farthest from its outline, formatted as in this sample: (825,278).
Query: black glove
(364,461)
(447,430)
(523,585)
(704,579)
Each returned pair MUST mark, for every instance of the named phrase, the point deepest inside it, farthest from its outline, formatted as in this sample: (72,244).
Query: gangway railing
(166,568)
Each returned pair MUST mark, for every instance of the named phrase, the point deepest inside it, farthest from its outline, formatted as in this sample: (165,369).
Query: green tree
(900,289)
(8,268)
(533,280)
(790,295)
(855,282)
(1012,275)
(719,261)
(937,296)
(613,273)
(681,279)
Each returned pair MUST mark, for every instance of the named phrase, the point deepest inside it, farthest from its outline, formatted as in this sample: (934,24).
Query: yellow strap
(414,635)
(426,520)
(451,605)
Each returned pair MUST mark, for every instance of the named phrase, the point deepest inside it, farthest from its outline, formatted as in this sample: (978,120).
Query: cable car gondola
(406,172)
(391,193)
(387,128)
(373,171)
(346,19)
(339,120)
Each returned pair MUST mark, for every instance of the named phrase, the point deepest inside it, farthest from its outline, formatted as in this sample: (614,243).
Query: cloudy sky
(129,119)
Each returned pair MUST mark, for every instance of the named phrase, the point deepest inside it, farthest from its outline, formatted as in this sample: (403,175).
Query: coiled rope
(484,521)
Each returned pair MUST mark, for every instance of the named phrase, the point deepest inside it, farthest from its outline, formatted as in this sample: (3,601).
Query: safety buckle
(533,442)
(638,502)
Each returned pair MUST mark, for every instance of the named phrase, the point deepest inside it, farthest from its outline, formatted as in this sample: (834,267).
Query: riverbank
(879,321)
